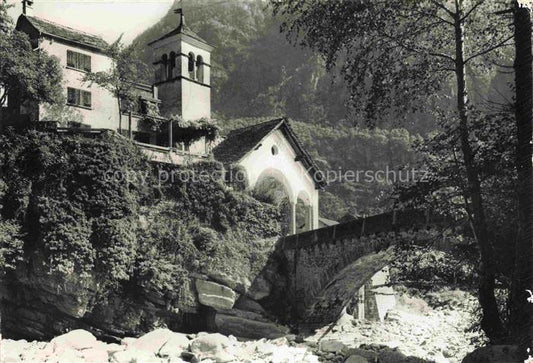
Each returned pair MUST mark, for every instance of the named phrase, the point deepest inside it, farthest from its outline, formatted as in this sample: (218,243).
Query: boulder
(37,352)
(369,355)
(68,355)
(392,356)
(127,341)
(154,340)
(113,347)
(245,314)
(217,296)
(493,354)
(332,346)
(292,354)
(98,354)
(239,284)
(213,346)
(174,346)
(260,289)
(132,355)
(247,304)
(247,328)
(356,359)
(344,319)
(12,350)
(75,339)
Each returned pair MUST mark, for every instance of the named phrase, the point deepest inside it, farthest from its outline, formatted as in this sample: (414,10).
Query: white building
(181,91)
(271,150)
(78,53)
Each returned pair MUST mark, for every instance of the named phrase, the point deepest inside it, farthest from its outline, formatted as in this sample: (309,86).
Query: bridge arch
(323,269)
(272,185)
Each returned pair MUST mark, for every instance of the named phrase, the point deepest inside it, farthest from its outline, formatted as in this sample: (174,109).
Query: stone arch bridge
(321,270)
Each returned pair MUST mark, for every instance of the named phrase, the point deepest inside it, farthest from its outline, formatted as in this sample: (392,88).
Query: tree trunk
(521,310)
(490,322)
(119,114)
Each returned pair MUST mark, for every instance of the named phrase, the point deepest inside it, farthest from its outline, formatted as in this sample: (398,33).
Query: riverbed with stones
(415,331)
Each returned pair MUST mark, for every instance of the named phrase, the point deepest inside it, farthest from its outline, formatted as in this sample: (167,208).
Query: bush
(205,240)
(217,206)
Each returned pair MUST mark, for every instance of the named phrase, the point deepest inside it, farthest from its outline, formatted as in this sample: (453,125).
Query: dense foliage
(25,74)
(58,192)
(95,208)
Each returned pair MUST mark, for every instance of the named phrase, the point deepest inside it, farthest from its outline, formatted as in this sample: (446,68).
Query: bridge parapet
(381,223)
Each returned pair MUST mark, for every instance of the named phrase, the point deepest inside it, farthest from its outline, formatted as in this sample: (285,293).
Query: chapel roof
(61,32)
(241,141)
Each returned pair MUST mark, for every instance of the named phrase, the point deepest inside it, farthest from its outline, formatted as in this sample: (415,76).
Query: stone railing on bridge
(381,223)
(314,260)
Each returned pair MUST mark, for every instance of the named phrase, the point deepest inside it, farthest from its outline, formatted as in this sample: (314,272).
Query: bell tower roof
(186,33)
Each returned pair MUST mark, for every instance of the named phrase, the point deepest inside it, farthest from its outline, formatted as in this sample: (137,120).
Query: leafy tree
(120,78)
(521,312)
(25,74)
(396,56)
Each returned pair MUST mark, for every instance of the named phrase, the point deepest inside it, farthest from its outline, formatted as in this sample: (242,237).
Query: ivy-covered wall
(94,236)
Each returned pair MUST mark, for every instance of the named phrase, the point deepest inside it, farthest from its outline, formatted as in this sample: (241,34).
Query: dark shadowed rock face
(494,354)
(38,306)
(35,305)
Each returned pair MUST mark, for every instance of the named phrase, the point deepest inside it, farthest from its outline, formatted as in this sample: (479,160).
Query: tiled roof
(240,141)
(63,32)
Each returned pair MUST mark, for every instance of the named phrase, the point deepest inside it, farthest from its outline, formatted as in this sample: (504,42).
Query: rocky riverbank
(417,330)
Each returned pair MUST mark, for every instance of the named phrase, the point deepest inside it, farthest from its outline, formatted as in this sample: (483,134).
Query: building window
(78,97)
(171,65)
(163,69)
(274,150)
(78,61)
(191,65)
(200,69)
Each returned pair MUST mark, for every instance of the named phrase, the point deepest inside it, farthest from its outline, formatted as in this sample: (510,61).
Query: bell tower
(183,72)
